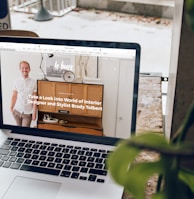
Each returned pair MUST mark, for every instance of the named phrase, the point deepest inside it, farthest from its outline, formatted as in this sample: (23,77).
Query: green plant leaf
(138,176)
(159,195)
(148,141)
(133,176)
(190,13)
(119,161)
(187,177)
(159,144)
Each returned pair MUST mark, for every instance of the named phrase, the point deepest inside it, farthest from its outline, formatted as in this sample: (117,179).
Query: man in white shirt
(25,89)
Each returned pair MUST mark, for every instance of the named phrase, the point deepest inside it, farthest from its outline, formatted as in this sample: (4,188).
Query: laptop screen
(69,87)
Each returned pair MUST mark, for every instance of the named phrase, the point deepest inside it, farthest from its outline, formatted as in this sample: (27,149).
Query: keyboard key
(70,146)
(65,173)
(43,164)
(13,153)
(6,164)
(39,143)
(27,156)
(62,145)
(28,161)
(6,147)
(83,178)
(42,158)
(20,160)
(82,164)
(99,166)
(21,144)
(35,163)
(51,153)
(99,160)
(42,147)
(73,151)
(53,144)
(5,158)
(67,167)
(59,166)
(4,151)
(35,157)
(58,149)
(21,149)
(28,150)
(92,178)
(65,150)
(93,149)
(20,155)
(28,145)
(50,148)
(36,151)
(74,162)
(12,159)
(97,155)
(35,146)
(51,165)
(66,161)
(59,155)
(89,153)
(14,143)
(90,165)
(75,175)
(90,159)
(40,170)
(74,157)
(58,160)
(80,152)
(14,148)
(31,141)
(100,180)
(43,152)
(50,159)
(84,170)
(7,142)
(82,158)
(1,163)
(75,168)
(15,166)
(98,172)
(66,156)
(104,155)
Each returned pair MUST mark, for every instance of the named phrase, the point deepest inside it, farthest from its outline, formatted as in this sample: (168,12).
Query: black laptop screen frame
(67,135)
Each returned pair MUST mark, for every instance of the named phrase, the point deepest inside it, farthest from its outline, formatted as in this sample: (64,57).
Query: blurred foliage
(133,174)
(189,13)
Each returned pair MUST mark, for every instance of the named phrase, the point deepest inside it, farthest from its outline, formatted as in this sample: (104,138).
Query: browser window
(88,90)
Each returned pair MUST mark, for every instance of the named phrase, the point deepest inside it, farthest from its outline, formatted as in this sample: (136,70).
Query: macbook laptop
(64,106)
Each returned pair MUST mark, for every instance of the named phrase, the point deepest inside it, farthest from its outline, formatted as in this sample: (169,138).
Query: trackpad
(23,188)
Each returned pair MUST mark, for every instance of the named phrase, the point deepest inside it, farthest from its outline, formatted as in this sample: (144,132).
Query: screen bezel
(81,43)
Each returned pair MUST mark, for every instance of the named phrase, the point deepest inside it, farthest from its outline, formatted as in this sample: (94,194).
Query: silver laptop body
(81,98)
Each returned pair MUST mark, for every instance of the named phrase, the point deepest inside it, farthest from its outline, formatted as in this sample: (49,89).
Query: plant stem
(187,123)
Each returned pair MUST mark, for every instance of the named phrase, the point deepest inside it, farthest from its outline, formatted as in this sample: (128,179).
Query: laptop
(64,106)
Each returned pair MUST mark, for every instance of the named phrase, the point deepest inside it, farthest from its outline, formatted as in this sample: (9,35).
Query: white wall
(118,79)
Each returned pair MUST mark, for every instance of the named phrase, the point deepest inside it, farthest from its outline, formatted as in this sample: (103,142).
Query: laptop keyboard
(49,158)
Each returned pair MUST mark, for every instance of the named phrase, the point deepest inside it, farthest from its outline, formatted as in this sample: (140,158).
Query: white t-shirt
(24,88)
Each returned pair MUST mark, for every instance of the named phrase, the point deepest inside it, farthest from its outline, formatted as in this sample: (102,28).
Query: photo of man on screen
(24,87)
